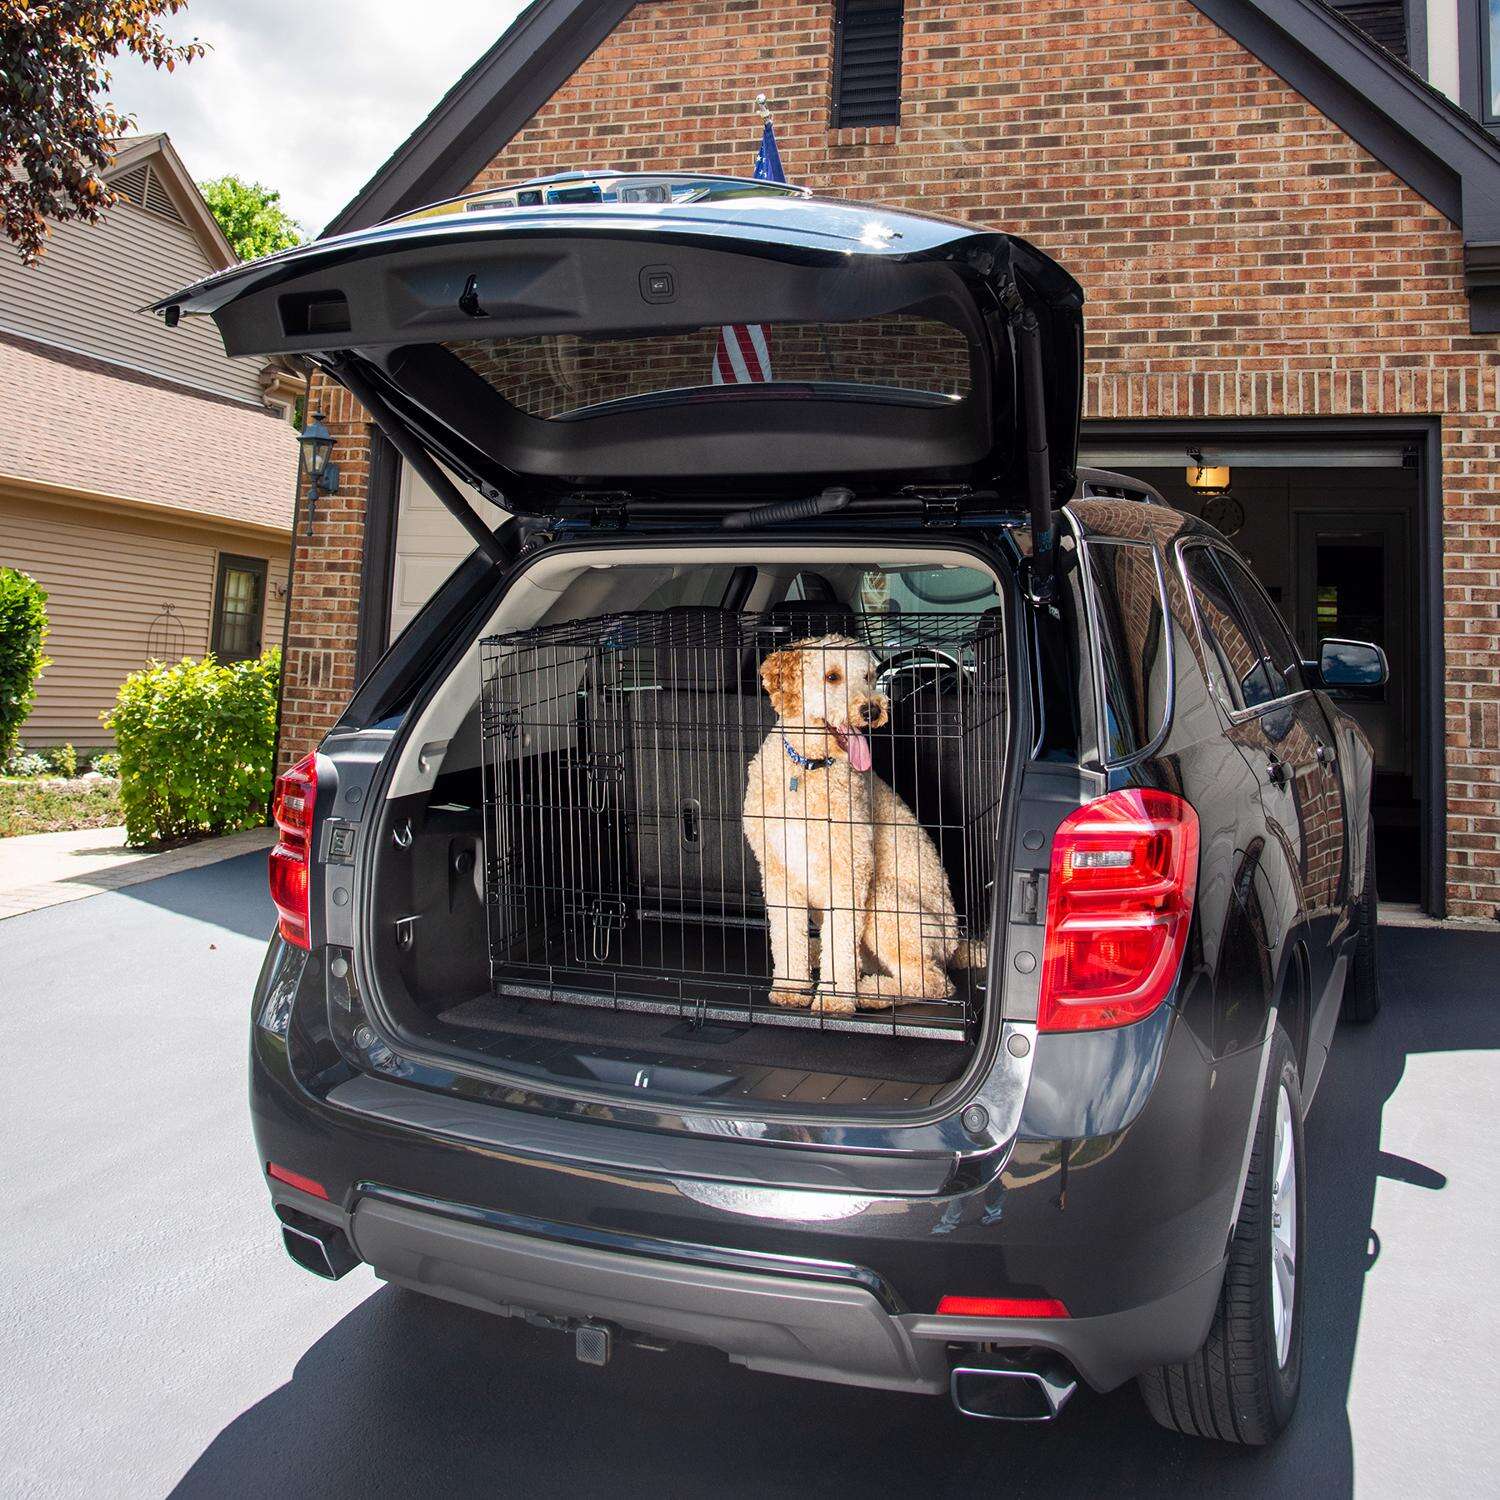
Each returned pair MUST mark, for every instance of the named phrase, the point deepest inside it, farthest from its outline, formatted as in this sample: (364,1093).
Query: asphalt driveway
(156,1340)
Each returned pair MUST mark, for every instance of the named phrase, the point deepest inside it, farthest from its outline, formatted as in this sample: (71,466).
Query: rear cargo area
(740,848)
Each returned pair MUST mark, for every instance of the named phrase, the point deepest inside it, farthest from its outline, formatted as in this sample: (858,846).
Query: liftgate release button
(658,284)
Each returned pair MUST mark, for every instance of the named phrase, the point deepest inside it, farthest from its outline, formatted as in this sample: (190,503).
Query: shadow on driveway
(231,894)
(408,1394)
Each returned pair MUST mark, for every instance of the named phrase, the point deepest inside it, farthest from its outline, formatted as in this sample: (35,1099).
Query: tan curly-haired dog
(832,839)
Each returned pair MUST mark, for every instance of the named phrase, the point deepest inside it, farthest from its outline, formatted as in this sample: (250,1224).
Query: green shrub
(63,760)
(23,629)
(26,763)
(196,743)
(106,763)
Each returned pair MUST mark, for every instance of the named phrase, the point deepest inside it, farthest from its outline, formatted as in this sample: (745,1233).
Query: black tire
(1236,1388)
(1361,1002)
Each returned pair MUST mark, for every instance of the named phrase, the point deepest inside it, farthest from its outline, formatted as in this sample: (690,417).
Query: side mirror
(1352,664)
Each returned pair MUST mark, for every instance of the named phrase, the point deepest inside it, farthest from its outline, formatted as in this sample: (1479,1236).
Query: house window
(867,63)
(239,607)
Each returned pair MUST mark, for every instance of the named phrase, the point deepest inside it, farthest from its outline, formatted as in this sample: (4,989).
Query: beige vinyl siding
(89,290)
(108,578)
(277,575)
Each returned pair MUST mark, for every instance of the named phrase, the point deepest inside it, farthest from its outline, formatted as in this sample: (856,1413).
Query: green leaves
(196,743)
(251,216)
(55,128)
(23,629)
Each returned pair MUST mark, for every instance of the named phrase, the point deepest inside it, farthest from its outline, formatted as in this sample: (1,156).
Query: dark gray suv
(824,879)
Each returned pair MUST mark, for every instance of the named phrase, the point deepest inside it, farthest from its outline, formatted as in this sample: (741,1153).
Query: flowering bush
(26,763)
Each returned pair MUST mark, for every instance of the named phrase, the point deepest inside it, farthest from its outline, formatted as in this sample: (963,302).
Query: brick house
(1290,244)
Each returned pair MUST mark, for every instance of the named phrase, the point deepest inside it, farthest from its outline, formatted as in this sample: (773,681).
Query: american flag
(743,354)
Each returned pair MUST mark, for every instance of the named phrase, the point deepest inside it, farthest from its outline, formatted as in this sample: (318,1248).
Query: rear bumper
(1117,1200)
(816,1320)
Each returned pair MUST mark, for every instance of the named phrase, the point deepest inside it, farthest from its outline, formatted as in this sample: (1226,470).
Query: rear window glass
(1132,644)
(562,375)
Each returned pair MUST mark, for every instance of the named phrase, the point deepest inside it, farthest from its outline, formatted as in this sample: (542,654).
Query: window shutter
(1383,21)
(867,63)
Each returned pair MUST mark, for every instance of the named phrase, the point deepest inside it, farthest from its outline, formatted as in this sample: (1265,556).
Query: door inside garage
(1333,528)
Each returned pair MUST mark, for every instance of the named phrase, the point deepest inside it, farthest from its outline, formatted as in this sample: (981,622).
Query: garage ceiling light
(1210,479)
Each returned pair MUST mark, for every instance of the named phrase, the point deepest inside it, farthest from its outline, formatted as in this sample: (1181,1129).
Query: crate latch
(604,772)
(606,918)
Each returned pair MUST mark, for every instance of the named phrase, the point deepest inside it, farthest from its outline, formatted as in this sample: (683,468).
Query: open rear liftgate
(617,752)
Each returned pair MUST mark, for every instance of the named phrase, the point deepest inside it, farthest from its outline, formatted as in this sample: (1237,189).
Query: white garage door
(429,545)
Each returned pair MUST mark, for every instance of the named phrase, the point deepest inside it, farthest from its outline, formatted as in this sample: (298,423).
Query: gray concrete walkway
(46,869)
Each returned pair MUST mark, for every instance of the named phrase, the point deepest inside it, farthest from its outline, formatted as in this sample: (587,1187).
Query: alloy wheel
(1284,1228)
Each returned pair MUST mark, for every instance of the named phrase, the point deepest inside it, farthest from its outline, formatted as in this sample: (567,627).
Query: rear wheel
(1361,1001)
(1242,1385)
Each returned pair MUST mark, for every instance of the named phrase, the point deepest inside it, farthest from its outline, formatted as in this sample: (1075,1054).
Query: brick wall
(1242,257)
(323,611)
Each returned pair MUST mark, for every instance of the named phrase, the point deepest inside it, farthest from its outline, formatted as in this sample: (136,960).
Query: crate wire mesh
(618,752)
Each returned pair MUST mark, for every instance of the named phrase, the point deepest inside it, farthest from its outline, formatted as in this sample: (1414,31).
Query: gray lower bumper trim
(824,1330)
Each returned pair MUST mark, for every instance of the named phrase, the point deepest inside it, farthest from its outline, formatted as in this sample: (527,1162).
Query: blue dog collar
(802,760)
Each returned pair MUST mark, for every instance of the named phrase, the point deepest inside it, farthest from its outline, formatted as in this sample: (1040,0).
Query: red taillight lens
(291,859)
(1119,905)
(1002,1307)
(296,1180)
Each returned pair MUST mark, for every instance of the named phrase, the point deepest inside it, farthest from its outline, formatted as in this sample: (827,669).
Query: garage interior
(1333,530)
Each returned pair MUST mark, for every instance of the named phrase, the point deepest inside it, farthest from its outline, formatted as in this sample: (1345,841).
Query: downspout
(1023,322)
(419,460)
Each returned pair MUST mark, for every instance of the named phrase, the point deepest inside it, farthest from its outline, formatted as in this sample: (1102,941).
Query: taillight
(1119,905)
(291,858)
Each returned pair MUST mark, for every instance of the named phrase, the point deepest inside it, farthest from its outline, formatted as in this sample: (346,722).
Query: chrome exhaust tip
(320,1248)
(997,1389)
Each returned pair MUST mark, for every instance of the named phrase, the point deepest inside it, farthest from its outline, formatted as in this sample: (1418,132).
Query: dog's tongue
(857,747)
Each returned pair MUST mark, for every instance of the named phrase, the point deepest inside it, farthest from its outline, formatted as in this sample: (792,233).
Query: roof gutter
(22,487)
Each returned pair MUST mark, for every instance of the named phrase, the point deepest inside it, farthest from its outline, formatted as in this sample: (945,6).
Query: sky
(307,96)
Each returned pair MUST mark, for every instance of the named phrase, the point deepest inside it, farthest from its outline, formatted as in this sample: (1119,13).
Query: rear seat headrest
(802,619)
(698,649)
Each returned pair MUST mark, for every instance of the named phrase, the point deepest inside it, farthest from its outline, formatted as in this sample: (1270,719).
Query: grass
(44,804)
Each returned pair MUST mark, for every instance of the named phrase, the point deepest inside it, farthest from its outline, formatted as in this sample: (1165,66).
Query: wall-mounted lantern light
(322,476)
(1206,479)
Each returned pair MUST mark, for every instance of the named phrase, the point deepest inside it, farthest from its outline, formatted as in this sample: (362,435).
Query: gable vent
(867,63)
(1383,21)
(132,184)
(142,187)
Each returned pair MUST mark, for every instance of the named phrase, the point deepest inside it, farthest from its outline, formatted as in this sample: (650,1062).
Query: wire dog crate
(679,818)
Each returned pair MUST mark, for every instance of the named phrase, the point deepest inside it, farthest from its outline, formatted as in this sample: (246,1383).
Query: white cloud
(309,98)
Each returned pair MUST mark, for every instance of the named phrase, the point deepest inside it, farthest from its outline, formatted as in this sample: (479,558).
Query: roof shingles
(82,423)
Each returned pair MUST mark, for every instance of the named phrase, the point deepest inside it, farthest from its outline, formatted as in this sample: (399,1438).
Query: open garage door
(1333,529)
